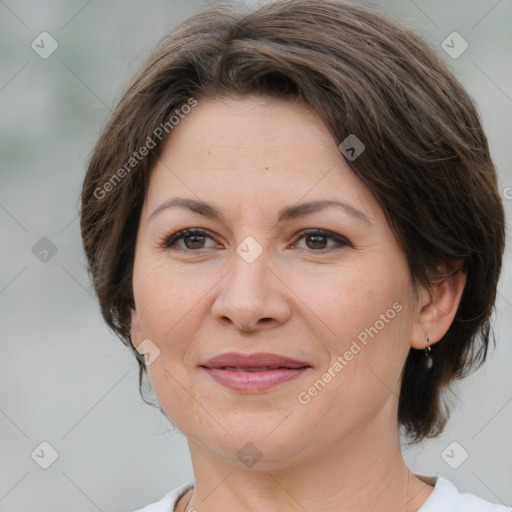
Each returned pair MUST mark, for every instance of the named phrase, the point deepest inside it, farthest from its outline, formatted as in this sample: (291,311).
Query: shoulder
(168,502)
(446,498)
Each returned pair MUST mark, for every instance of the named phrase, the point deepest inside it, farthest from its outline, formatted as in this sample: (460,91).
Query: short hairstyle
(426,158)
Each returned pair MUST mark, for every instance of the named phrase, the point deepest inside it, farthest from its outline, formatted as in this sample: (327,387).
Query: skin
(304,297)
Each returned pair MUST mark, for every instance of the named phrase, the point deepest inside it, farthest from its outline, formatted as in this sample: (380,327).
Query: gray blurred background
(65,379)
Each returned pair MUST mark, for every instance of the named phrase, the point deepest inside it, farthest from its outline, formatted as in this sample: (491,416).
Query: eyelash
(169,241)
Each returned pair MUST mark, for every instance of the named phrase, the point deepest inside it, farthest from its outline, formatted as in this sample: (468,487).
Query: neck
(365,472)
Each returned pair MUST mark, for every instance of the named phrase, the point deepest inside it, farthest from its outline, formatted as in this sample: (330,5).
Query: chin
(253,448)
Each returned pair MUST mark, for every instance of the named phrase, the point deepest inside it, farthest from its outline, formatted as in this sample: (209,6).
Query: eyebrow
(287,213)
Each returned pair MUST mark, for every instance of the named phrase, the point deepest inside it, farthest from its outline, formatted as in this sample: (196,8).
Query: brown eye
(317,240)
(193,239)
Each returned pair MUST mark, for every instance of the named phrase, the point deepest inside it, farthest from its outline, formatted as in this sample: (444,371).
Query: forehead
(254,148)
(252,126)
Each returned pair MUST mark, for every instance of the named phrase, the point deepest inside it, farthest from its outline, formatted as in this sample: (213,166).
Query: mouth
(255,372)
(257,369)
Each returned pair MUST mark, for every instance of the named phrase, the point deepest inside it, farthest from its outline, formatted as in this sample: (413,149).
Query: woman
(292,218)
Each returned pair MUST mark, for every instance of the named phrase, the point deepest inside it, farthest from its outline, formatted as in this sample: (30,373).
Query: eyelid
(169,241)
(325,233)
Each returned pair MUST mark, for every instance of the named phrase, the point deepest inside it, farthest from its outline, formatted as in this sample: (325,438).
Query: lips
(253,373)
(233,361)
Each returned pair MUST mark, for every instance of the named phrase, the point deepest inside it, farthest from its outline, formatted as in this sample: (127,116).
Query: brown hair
(426,157)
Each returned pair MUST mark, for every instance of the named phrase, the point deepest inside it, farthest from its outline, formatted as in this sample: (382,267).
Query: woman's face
(327,286)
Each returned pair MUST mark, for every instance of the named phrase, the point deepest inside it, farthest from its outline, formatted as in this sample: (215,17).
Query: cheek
(346,301)
(169,310)
(363,316)
(168,307)
(162,294)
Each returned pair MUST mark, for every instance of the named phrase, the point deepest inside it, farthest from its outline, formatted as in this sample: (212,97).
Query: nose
(252,296)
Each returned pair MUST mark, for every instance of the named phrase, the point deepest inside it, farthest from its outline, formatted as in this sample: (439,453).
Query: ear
(135,330)
(437,306)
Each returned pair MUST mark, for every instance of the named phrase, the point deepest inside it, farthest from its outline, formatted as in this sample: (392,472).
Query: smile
(253,379)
